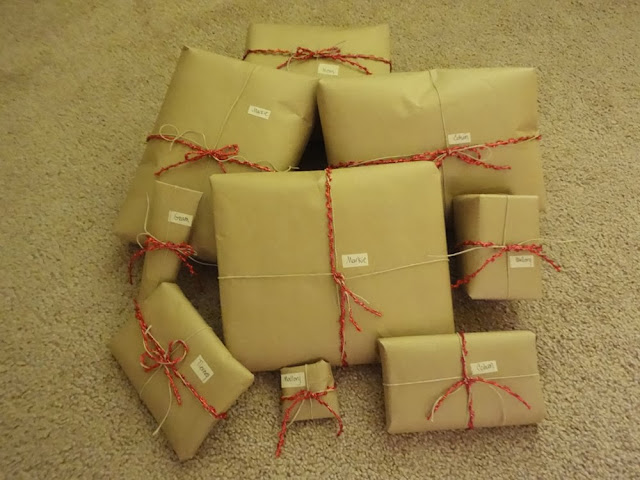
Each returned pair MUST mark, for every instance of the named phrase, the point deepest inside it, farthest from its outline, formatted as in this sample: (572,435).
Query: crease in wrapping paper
(210,95)
(267,346)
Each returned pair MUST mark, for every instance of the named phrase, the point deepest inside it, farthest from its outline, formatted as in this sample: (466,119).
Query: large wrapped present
(440,382)
(320,264)
(182,371)
(164,238)
(219,115)
(320,51)
(308,393)
(500,237)
(480,126)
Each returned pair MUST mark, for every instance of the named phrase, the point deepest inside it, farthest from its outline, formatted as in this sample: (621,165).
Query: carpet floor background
(80,85)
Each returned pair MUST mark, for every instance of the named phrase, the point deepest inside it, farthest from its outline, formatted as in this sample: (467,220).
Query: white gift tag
(292,380)
(479,368)
(521,261)
(202,369)
(326,69)
(180,218)
(259,112)
(459,138)
(355,260)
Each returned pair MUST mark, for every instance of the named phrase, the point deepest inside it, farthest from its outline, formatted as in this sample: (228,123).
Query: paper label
(292,380)
(259,112)
(521,261)
(180,218)
(355,260)
(326,69)
(459,138)
(202,369)
(479,368)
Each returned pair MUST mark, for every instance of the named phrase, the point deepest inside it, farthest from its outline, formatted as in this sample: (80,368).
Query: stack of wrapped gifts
(348,265)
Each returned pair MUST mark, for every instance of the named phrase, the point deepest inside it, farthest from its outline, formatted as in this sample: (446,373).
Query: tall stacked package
(321,264)
(220,115)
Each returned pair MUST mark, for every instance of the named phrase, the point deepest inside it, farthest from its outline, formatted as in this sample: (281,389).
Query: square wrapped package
(168,227)
(320,51)
(219,115)
(479,125)
(500,234)
(424,385)
(316,378)
(356,248)
(207,379)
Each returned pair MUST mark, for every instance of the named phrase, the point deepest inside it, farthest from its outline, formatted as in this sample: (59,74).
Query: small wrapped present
(182,371)
(354,256)
(442,382)
(320,51)
(480,126)
(220,115)
(166,231)
(308,392)
(500,235)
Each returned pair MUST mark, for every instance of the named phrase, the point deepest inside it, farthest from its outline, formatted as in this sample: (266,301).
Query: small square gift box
(498,237)
(320,51)
(308,393)
(181,370)
(442,382)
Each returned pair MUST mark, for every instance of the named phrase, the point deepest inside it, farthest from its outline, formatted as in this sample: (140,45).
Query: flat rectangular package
(452,115)
(502,220)
(420,372)
(207,366)
(280,296)
(315,377)
(275,45)
(213,105)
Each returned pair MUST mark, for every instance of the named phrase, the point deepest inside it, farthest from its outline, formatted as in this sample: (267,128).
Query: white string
(458,378)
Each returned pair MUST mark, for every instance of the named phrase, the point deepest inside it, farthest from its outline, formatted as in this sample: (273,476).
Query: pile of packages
(342,266)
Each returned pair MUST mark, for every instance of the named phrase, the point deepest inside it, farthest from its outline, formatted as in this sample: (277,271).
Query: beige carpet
(80,85)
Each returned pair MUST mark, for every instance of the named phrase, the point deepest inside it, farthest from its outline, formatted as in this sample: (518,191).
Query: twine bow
(467,382)
(296,400)
(535,249)
(182,250)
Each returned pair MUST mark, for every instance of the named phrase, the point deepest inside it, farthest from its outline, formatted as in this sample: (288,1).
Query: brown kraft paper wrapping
(371,41)
(220,381)
(172,211)
(433,110)
(418,371)
(280,302)
(208,102)
(502,220)
(315,377)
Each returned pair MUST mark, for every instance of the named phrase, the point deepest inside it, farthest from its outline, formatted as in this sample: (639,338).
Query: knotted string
(345,293)
(182,250)
(333,53)
(535,249)
(296,400)
(468,381)
(155,357)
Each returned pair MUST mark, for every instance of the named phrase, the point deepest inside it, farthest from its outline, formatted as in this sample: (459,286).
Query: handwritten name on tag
(326,69)
(288,380)
(459,138)
(479,368)
(521,261)
(259,112)
(355,260)
(202,369)
(180,218)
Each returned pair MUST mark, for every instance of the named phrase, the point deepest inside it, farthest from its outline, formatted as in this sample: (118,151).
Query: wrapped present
(480,126)
(320,51)
(166,231)
(220,115)
(354,255)
(442,382)
(182,371)
(308,392)
(500,235)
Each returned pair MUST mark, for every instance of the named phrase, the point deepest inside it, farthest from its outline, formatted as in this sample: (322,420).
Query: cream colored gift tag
(479,368)
(202,369)
(355,260)
(288,380)
(521,261)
